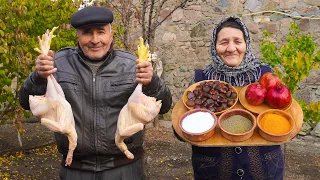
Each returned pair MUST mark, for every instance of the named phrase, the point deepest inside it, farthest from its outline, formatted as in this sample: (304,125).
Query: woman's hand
(45,65)
(144,72)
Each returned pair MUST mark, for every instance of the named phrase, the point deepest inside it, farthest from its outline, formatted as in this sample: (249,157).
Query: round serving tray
(217,140)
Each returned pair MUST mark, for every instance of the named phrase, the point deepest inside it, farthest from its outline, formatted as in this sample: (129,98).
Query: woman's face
(231,46)
(95,41)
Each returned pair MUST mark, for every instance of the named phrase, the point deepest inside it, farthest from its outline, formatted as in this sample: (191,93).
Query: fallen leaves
(39,162)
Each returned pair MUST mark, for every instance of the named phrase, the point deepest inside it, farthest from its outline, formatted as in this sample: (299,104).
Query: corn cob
(45,42)
(143,52)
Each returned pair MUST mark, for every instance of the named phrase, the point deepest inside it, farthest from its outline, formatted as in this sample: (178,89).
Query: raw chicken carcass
(52,108)
(55,113)
(139,110)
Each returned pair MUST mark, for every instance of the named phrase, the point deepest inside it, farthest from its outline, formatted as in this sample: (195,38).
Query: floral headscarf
(247,72)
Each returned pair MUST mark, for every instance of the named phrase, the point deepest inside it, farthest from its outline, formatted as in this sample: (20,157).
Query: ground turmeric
(275,124)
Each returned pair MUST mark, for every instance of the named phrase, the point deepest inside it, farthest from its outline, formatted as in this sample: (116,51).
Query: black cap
(91,15)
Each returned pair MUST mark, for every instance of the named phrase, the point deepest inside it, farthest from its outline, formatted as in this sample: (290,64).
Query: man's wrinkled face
(95,41)
(231,46)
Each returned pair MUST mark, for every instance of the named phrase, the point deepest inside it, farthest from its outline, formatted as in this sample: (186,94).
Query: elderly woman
(233,62)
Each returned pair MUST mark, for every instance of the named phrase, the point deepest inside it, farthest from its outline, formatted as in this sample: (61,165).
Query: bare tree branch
(181,5)
(160,8)
(127,24)
(115,7)
(143,14)
(150,19)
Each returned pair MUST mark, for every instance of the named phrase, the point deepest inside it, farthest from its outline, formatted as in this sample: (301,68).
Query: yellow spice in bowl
(275,124)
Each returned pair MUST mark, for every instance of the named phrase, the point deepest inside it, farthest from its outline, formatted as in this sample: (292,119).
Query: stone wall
(183,41)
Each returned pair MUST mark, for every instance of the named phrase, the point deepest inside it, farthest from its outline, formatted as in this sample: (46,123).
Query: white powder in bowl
(198,122)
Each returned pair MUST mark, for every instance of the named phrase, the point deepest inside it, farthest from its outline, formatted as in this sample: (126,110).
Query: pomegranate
(279,97)
(255,94)
(269,80)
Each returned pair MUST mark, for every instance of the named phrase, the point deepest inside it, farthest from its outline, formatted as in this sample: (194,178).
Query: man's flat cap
(92,15)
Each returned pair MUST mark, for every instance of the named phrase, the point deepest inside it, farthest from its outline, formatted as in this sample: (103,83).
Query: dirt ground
(165,158)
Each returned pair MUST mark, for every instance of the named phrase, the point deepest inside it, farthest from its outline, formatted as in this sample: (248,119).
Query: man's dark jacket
(96,100)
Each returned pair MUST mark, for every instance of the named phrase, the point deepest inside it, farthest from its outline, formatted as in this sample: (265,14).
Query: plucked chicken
(52,108)
(139,110)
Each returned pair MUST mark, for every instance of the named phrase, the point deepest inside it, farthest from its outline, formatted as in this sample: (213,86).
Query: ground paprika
(275,124)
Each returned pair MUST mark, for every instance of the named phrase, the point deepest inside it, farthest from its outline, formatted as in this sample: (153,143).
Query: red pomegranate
(269,80)
(255,94)
(279,97)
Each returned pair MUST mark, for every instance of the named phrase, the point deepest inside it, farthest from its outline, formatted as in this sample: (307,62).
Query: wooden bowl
(237,137)
(256,109)
(193,86)
(201,136)
(275,137)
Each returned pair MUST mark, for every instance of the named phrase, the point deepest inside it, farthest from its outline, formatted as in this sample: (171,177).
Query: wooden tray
(252,108)
(217,140)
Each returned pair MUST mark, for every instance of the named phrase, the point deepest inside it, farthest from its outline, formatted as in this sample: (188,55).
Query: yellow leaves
(4,160)
(285,60)
(4,175)
(304,76)
(297,62)
(2,25)
(314,107)
(6,178)
(278,71)
(316,66)
(8,159)
(3,50)
(12,162)
(297,68)
(19,155)
(143,52)
(296,76)
(45,42)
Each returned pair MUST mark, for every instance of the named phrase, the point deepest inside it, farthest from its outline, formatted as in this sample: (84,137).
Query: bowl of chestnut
(216,96)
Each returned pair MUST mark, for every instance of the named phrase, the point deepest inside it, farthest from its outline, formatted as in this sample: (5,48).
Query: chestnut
(190,95)
(190,103)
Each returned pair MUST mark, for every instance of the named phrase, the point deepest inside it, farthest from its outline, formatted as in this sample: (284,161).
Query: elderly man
(97,81)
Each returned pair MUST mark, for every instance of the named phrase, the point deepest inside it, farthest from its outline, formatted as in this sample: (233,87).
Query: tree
(20,23)
(147,13)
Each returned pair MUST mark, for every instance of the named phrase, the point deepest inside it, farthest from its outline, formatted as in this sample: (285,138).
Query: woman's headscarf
(247,72)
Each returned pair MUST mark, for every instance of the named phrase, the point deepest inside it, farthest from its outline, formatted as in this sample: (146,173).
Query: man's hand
(144,72)
(45,65)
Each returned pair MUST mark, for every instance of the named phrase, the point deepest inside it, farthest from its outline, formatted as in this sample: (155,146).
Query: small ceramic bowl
(237,137)
(275,137)
(198,122)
